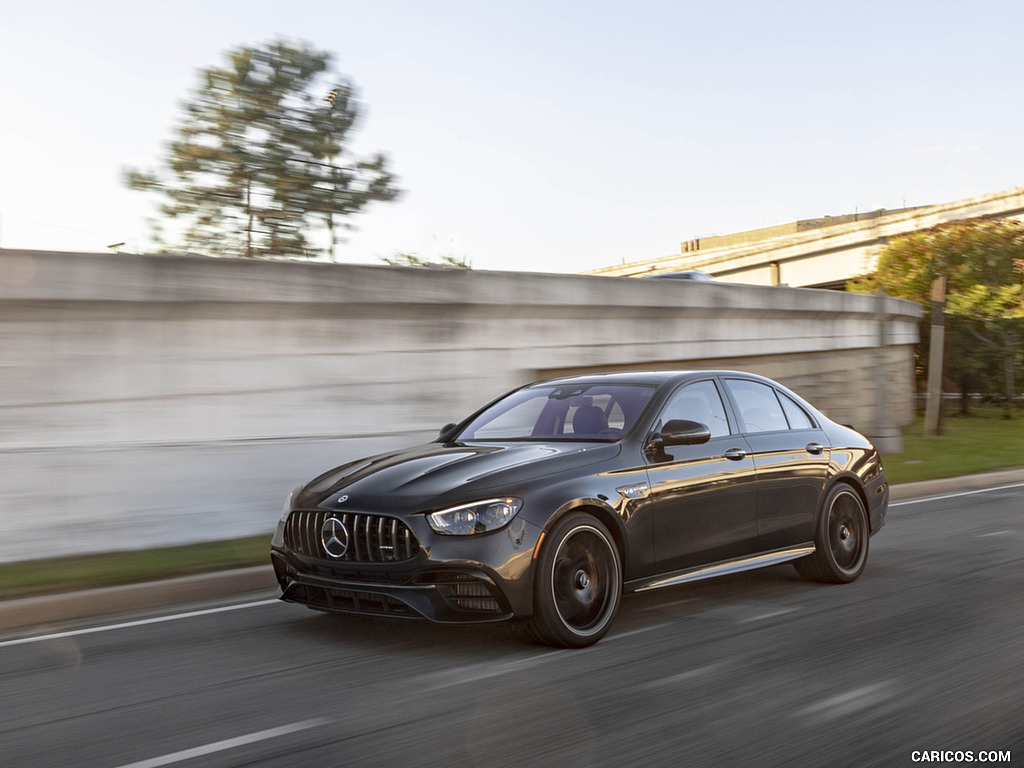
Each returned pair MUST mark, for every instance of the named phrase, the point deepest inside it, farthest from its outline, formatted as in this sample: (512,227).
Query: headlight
(479,517)
(288,503)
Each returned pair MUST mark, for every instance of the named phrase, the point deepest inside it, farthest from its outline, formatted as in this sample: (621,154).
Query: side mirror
(685,432)
(447,428)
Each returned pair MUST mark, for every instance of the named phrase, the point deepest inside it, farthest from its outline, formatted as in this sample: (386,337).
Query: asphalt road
(924,653)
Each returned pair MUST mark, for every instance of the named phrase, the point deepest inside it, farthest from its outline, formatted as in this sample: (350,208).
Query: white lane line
(138,623)
(474,672)
(850,702)
(766,615)
(956,495)
(220,746)
(689,674)
(471,673)
(630,633)
(673,604)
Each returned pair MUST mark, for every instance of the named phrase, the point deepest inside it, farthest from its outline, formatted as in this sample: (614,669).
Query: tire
(578,583)
(841,540)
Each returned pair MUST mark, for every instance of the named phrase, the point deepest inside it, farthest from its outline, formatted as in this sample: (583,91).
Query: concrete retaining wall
(154,400)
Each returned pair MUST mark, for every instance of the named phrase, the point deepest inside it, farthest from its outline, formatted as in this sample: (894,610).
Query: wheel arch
(595,509)
(840,553)
(577,592)
(858,487)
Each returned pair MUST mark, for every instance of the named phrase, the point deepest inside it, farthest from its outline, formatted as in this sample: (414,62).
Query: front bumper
(452,579)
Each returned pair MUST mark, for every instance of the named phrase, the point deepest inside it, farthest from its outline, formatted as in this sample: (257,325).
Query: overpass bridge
(815,253)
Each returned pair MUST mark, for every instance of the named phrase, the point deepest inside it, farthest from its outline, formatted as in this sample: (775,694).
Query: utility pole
(933,409)
(331,98)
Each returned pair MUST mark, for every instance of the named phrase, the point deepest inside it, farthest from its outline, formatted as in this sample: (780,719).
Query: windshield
(562,412)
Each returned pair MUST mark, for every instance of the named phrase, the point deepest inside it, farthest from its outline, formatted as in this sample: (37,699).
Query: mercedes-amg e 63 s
(556,499)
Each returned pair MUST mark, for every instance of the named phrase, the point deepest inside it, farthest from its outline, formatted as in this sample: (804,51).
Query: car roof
(668,379)
(655,378)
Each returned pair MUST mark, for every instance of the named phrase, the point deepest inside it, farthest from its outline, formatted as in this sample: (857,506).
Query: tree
(983,262)
(260,156)
(448,261)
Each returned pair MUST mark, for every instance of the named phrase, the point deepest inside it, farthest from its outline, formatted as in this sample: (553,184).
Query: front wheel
(578,583)
(841,541)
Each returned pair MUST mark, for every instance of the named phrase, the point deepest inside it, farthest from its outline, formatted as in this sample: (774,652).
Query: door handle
(736,454)
(815,449)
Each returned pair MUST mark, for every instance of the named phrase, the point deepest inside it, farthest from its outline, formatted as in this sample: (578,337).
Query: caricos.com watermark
(959,756)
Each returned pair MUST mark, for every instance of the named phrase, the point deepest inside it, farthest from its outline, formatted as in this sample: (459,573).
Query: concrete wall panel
(153,400)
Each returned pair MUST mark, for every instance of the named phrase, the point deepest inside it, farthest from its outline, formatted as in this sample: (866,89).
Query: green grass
(84,571)
(981,442)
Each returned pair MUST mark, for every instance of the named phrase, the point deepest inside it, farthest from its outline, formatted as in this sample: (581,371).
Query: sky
(542,136)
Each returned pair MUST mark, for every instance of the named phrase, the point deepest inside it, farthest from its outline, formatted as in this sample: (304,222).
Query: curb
(108,601)
(926,488)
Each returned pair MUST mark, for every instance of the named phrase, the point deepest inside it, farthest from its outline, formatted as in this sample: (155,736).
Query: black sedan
(557,498)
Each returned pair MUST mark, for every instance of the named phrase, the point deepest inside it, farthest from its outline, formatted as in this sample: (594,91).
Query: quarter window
(798,418)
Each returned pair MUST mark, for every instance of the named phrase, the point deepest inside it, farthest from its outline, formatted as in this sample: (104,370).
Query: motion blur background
(159,400)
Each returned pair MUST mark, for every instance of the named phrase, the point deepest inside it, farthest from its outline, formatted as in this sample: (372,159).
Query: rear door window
(760,409)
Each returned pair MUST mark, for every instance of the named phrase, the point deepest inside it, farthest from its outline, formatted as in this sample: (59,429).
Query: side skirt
(761,560)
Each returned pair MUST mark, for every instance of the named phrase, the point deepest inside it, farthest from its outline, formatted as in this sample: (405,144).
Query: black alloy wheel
(841,542)
(578,584)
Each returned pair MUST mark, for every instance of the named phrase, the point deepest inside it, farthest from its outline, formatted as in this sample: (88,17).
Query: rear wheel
(578,584)
(841,541)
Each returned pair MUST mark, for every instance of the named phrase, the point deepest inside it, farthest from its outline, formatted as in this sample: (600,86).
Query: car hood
(438,473)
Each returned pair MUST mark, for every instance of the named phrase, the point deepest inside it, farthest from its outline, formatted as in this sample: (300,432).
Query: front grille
(371,538)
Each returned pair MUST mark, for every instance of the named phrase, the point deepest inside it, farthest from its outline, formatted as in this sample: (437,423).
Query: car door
(704,496)
(791,456)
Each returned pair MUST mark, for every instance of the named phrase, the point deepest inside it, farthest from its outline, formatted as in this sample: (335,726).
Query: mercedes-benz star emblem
(334,537)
